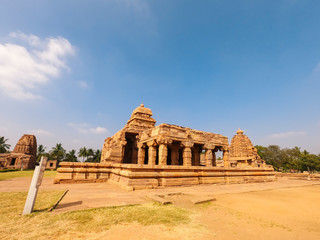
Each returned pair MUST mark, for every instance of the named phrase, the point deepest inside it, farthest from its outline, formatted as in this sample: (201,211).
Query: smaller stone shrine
(243,153)
(52,164)
(23,155)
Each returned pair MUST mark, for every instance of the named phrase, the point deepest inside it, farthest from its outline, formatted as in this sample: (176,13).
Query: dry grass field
(46,225)
(282,213)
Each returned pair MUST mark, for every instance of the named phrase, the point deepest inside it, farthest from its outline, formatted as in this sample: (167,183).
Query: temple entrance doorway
(196,151)
(146,156)
(13,161)
(169,161)
(131,149)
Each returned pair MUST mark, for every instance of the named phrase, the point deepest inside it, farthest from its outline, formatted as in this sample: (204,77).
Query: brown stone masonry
(23,155)
(135,176)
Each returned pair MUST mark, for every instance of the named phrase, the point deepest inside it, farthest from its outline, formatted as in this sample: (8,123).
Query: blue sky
(73,71)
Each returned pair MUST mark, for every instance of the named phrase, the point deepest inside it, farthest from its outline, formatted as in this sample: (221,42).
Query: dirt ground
(285,209)
(286,213)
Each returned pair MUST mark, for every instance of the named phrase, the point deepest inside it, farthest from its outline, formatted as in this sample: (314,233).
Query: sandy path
(287,213)
(90,195)
(284,209)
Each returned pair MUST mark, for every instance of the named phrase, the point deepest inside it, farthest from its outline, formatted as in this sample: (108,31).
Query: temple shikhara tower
(23,155)
(243,153)
(143,155)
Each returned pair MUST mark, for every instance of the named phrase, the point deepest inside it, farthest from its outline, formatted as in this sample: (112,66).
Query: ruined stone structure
(23,155)
(243,153)
(142,155)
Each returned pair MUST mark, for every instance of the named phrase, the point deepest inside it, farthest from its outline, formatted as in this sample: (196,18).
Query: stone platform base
(134,176)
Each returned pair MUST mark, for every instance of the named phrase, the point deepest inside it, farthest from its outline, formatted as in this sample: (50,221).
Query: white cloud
(40,132)
(287,134)
(30,63)
(86,128)
(99,130)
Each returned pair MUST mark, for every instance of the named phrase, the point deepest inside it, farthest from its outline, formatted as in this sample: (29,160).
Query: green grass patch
(9,170)
(24,173)
(44,225)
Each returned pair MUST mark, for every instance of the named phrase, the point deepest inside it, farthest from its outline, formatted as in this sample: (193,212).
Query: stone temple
(243,153)
(23,155)
(143,155)
(140,142)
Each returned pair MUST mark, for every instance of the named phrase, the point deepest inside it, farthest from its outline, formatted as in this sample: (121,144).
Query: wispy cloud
(40,132)
(288,134)
(27,62)
(83,84)
(140,7)
(317,68)
(86,128)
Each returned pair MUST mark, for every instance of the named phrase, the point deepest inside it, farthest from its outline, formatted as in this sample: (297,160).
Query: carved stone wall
(113,149)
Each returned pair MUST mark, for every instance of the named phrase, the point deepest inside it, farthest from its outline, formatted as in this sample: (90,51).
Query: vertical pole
(34,186)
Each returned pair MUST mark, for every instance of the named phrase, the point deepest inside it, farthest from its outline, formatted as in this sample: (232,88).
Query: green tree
(309,162)
(294,156)
(83,153)
(261,151)
(41,151)
(272,155)
(4,147)
(289,159)
(90,154)
(58,152)
(71,156)
(96,156)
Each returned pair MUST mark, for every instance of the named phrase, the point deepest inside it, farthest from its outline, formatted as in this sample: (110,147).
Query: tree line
(289,159)
(285,159)
(60,154)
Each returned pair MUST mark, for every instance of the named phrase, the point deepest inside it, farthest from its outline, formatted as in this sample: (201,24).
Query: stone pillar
(152,153)
(209,157)
(163,153)
(175,154)
(208,154)
(141,153)
(197,156)
(226,158)
(187,154)
(214,159)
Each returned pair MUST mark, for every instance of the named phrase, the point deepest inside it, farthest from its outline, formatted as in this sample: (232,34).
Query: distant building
(243,153)
(52,164)
(23,155)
